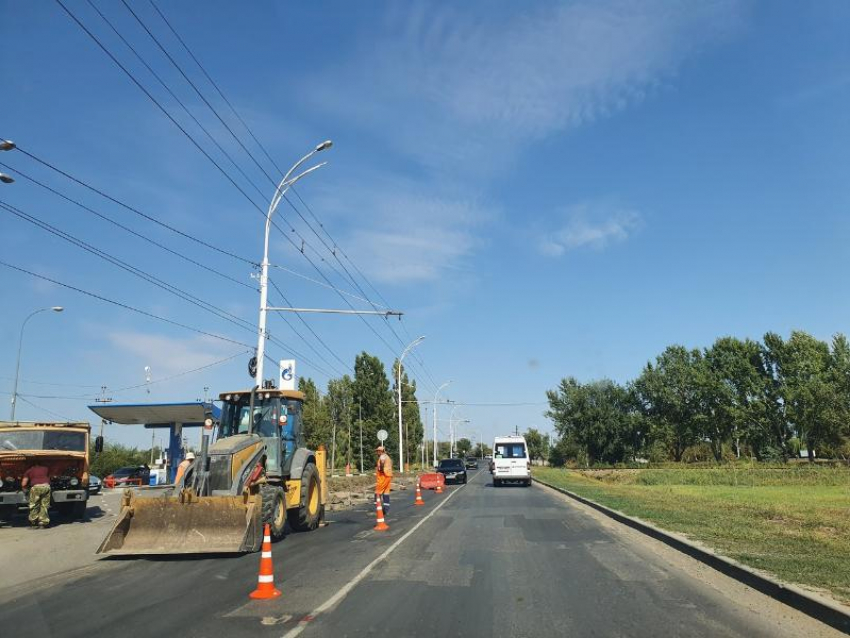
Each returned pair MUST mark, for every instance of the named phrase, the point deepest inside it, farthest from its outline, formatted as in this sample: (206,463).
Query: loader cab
(276,419)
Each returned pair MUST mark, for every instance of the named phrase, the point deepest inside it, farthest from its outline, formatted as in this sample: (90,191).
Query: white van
(510,460)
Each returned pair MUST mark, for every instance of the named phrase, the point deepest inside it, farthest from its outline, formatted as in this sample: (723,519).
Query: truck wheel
(73,511)
(309,513)
(274,509)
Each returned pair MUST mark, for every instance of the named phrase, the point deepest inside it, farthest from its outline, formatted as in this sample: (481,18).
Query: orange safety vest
(383,474)
(181,470)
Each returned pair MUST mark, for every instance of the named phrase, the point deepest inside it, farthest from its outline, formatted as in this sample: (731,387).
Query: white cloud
(402,232)
(465,90)
(592,225)
(168,355)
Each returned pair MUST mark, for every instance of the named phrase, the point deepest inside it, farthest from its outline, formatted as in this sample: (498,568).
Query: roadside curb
(809,603)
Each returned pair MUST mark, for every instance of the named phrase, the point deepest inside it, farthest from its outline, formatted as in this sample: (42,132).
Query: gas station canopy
(157,415)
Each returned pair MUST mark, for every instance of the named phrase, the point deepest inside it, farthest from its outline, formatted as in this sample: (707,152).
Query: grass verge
(792,523)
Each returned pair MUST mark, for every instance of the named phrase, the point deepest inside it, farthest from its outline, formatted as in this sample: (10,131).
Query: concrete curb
(818,607)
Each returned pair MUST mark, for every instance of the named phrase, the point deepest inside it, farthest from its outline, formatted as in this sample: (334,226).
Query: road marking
(342,593)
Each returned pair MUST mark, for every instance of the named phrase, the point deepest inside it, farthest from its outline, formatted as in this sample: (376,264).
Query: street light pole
(409,347)
(20,345)
(435,420)
(284,185)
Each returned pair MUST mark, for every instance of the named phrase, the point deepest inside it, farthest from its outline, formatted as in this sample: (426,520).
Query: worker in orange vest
(383,477)
(184,465)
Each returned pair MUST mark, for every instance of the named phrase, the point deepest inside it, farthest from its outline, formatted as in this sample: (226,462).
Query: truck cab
(62,447)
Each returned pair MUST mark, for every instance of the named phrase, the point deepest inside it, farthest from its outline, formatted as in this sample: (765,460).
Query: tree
(669,394)
(601,417)
(340,402)
(812,378)
(537,444)
(481,450)
(316,425)
(463,447)
(371,389)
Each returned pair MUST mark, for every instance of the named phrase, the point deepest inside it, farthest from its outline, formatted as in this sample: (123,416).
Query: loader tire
(308,515)
(274,509)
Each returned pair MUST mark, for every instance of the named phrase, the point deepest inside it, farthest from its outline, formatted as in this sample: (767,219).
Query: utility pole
(360,419)
(409,347)
(333,443)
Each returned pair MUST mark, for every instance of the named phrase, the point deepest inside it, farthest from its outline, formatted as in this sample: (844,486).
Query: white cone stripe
(266,579)
(267,539)
(266,555)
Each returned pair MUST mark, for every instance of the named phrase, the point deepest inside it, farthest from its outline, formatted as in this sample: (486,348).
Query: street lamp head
(324,145)
(6,179)
(7,145)
(57,308)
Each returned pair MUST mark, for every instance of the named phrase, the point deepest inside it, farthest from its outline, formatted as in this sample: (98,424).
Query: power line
(324,285)
(198,146)
(211,81)
(173,95)
(138,272)
(268,156)
(127,228)
(136,211)
(122,305)
(200,95)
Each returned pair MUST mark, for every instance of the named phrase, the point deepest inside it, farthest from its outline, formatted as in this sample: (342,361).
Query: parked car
(452,470)
(471,463)
(94,484)
(124,476)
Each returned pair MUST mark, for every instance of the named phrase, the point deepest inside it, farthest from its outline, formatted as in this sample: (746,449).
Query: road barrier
(418,500)
(380,524)
(431,480)
(811,604)
(265,581)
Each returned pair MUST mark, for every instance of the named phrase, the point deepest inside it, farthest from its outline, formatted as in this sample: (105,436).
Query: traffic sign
(382,435)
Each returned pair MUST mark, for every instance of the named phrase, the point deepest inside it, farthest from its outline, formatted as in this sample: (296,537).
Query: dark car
(471,463)
(453,470)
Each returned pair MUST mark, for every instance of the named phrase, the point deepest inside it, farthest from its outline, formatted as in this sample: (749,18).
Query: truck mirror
(98,444)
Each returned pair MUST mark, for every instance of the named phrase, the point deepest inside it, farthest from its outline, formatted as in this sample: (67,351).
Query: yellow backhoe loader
(256,472)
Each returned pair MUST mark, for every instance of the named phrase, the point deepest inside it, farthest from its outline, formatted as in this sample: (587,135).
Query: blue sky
(545,189)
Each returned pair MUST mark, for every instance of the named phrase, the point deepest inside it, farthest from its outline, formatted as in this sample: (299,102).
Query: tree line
(366,402)
(765,399)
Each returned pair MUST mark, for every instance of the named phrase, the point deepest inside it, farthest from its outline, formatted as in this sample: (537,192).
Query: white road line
(342,593)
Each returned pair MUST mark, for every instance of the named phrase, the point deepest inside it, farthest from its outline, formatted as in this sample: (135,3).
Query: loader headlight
(74,481)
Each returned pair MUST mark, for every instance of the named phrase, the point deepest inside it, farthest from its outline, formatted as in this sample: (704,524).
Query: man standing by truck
(38,480)
(383,478)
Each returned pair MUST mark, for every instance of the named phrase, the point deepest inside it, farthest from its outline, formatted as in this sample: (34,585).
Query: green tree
(316,424)
(115,455)
(669,394)
(372,390)
(601,417)
(462,447)
(537,444)
(817,405)
(340,405)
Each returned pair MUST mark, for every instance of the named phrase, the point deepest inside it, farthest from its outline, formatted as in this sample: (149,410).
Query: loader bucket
(165,524)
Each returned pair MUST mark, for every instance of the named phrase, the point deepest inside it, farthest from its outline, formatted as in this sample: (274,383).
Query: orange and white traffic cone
(439,489)
(418,500)
(380,525)
(265,581)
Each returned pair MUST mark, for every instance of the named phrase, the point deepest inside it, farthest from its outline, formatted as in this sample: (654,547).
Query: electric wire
(127,228)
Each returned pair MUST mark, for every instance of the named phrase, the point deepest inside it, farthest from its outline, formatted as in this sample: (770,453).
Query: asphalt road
(476,561)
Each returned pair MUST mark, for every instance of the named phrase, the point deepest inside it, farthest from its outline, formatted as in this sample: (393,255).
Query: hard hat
(190,456)
(381,448)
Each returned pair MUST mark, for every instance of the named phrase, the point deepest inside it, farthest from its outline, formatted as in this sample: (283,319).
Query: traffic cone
(439,489)
(418,500)
(380,525)
(265,581)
